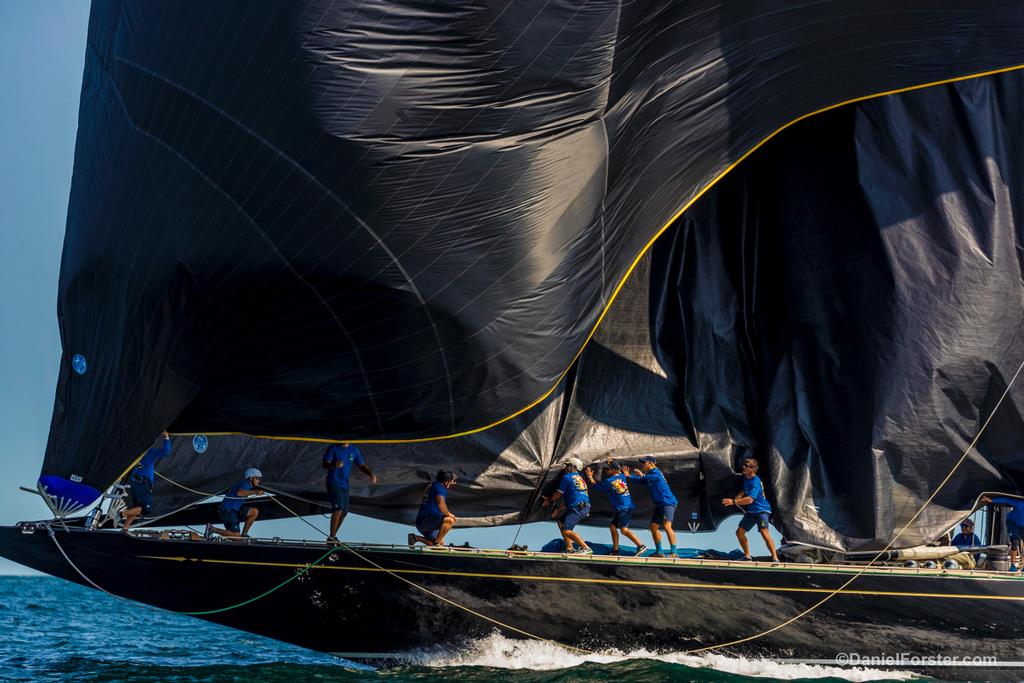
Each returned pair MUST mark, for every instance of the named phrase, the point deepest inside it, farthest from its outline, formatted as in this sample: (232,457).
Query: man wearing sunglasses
(755,507)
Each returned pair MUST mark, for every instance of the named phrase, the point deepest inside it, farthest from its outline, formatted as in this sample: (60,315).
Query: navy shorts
(339,498)
(750,519)
(141,494)
(429,526)
(574,516)
(232,519)
(620,519)
(663,514)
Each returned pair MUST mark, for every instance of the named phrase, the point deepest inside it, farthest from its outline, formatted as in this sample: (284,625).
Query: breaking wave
(500,652)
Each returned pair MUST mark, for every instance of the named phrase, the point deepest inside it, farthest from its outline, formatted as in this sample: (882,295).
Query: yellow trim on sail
(633,266)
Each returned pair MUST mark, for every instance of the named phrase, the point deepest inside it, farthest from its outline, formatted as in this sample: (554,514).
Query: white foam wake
(504,653)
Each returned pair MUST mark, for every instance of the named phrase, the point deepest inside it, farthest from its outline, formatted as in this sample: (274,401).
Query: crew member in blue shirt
(755,507)
(614,484)
(1014,525)
(573,490)
(966,537)
(434,519)
(338,461)
(664,502)
(140,481)
(231,511)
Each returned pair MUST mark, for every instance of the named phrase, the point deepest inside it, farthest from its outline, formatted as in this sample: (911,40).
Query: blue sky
(42,53)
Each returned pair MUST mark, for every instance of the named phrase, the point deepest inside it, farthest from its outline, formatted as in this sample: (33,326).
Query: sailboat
(490,238)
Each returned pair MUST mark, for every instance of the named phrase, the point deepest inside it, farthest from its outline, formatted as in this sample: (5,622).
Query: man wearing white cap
(577,505)
(232,512)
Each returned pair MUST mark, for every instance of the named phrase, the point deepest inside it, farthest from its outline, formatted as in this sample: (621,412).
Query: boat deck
(529,555)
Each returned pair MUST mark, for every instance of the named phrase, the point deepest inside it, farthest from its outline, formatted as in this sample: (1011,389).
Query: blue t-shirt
(752,487)
(661,494)
(232,501)
(963,539)
(337,476)
(1016,513)
(573,489)
(151,458)
(618,492)
(429,506)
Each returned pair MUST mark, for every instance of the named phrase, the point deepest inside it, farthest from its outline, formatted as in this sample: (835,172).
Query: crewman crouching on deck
(434,519)
(755,507)
(577,505)
(231,511)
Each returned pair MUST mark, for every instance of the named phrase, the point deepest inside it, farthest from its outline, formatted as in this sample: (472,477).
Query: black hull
(348,607)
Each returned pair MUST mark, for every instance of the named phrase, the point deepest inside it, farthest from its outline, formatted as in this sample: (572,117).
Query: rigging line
(895,538)
(198,493)
(213,495)
(264,594)
(53,537)
(219,610)
(442,598)
(300,517)
(533,499)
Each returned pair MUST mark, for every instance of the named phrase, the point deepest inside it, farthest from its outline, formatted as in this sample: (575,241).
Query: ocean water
(52,630)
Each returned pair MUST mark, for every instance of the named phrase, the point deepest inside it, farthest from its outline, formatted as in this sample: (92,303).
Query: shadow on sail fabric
(846,308)
(393,221)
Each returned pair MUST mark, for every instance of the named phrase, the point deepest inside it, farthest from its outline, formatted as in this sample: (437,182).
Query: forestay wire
(309,566)
(534,636)
(53,537)
(442,598)
(888,545)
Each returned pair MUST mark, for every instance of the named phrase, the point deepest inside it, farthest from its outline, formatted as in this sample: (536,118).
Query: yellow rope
(442,598)
(895,538)
(719,646)
(415,585)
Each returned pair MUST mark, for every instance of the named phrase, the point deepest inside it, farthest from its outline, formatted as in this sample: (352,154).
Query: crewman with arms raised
(755,507)
(140,481)
(664,502)
(615,486)
(338,461)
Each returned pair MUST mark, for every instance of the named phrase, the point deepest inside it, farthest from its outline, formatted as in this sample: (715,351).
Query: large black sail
(846,307)
(388,221)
